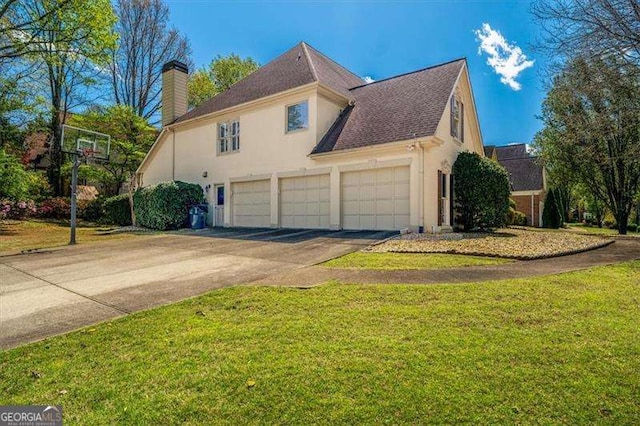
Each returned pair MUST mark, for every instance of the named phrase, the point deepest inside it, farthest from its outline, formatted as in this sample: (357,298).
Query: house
(305,143)
(528,181)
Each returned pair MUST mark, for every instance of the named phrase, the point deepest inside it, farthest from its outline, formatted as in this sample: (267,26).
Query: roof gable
(399,108)
(296,67)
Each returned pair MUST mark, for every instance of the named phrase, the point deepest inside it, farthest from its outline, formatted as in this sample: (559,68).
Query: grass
(30,235)
(582,228)
(392,261)
(555,349)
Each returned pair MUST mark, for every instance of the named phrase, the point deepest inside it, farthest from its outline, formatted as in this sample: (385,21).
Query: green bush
(519,219)
(117,210)
(14,179)
(91,210)
(632,227)
(166,205)
(481,188)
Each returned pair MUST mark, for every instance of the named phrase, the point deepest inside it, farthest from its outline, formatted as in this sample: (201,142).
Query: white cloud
(507,60)
(367,79)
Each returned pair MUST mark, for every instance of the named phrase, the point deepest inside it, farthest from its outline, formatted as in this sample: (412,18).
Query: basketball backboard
(84,142)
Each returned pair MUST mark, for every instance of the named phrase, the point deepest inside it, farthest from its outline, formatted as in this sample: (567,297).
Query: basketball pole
(74,196)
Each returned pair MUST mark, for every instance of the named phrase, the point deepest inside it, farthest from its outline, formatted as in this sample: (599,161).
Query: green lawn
(35,234)
(391,261)
(557,349)
(579,227)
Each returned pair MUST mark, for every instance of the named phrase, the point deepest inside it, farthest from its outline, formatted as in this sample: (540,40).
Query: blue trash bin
(197,217)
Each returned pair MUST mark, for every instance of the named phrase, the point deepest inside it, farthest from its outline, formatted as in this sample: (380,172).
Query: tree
(146,42)
(592,131)
(131,139)
(481,188)
(71,53)
(223,72)
(14,180)
(595,27)
(554,214)
(21,28)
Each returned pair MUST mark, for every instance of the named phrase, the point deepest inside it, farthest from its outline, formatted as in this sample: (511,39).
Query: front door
(219,206)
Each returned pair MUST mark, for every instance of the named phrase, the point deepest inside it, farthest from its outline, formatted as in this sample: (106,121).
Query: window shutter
(451,202)
(452,126)
(439,198)
(461,122)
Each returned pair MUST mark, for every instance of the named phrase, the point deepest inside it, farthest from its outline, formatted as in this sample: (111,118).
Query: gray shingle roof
(510,152)
(524,171)
(399,108)
(298,66)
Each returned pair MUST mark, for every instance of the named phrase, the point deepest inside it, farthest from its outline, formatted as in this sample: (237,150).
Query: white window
(298,116)
(228,137)
(457,119)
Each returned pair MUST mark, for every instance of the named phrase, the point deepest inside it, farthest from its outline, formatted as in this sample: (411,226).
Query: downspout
(173,157)
(421,189)
(533,211)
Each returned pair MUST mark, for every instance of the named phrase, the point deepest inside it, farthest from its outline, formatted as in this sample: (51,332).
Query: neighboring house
(304,143)
(36,154)
(528,182)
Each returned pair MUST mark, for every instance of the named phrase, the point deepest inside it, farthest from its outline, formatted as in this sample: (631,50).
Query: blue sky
(381,40)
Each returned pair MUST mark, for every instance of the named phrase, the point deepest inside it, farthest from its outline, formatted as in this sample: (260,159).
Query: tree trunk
(132,187)
(622,217)
(55,154)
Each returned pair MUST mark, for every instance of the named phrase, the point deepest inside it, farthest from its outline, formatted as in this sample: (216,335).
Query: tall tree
(73,51)
(146,42)
(223,72)
(572,28)
(592,131)
(21,28)
(131,139)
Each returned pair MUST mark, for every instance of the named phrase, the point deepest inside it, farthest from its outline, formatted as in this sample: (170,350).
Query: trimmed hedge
(91,210)
(117,210)
(481,188)
(166,205)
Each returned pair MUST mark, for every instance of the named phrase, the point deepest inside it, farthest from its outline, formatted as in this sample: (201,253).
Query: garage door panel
(375,199)
(304,202)
(252,203)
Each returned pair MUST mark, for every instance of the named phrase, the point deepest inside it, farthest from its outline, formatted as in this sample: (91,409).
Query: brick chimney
(174,91)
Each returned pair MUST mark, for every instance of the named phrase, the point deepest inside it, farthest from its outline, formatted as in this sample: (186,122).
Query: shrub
(17,210)
(519,219)
(55,208)
(166,205)
(14,179)
(632,227)
(91,210)
(37,186)
(117,210)
(481,188)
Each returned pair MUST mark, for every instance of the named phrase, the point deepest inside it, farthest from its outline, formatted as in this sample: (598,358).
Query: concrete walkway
(620,251)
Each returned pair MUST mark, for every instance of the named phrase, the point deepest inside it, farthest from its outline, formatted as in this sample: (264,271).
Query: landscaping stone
(507,243)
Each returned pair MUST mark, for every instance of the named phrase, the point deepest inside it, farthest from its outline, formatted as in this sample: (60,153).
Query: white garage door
(304,202)
(376,199)
(252,203)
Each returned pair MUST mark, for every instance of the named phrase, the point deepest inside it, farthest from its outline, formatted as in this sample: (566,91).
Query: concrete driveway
(47,293)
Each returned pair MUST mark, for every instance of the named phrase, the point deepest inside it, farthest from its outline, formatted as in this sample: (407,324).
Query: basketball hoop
(83,145)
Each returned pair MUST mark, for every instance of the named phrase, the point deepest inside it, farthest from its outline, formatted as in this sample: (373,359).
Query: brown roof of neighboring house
(298,66)
(513,151)
(525,172)
(489,150)
(398,108)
